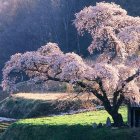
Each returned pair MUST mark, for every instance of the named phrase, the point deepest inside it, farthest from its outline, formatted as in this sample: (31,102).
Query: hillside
(24,105)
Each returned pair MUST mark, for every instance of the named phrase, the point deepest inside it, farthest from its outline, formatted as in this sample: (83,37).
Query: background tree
(113,77)
(27,24)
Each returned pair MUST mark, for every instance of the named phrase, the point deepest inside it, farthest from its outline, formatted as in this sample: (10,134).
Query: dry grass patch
(55,96)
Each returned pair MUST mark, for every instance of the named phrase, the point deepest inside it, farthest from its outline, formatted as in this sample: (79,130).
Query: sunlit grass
(68,127)
(87,118)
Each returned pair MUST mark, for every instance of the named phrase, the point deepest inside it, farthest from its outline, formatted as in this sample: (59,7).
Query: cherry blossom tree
(113,77)
(113,31)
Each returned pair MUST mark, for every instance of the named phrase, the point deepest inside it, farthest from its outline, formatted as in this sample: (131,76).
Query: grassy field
(69,127)
(86,118)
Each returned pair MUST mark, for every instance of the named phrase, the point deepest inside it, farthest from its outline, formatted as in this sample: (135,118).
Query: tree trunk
(113,111)
(117,118)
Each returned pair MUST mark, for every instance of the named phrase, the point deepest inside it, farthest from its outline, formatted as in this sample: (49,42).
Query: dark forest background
(28,24)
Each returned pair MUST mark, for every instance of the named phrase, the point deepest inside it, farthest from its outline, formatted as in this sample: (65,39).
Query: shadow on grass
(64,132)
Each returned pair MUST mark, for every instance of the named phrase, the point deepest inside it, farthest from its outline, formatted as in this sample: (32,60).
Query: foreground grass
(68,127)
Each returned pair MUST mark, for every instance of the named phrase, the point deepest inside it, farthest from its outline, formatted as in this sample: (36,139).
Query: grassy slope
(3,95)
(4,126)
(68,127)
(36,105)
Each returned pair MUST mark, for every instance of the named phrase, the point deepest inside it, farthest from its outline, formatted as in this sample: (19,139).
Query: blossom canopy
(114,73)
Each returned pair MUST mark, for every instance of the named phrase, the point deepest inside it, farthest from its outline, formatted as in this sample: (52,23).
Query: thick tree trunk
(113,111)
(118,120)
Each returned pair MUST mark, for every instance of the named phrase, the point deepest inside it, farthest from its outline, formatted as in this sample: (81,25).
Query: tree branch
(119,102)
(128,80)
(99,81)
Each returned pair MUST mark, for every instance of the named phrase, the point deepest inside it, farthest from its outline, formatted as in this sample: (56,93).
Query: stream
(3,119)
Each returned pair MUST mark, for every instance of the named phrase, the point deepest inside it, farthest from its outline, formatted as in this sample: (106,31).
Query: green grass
(68,127)
(77,119)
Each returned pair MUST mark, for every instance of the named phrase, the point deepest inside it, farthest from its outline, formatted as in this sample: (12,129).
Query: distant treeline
(27,24)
